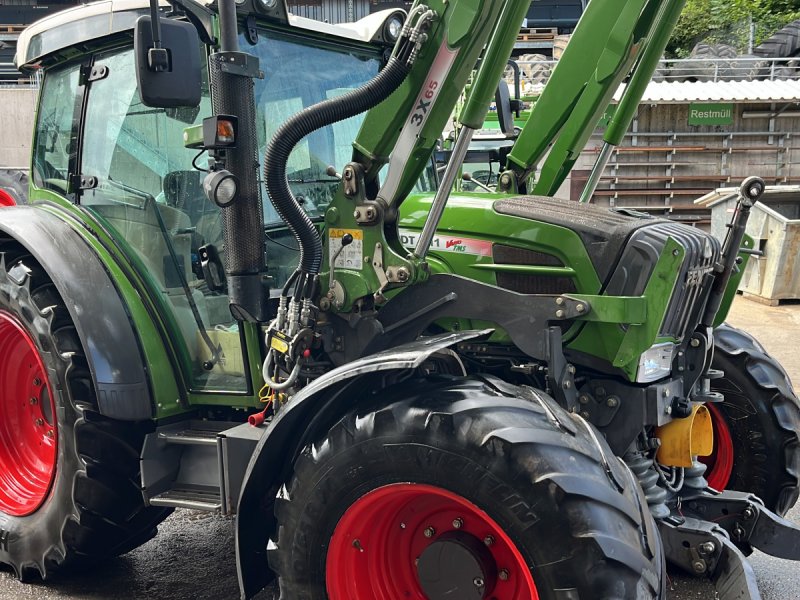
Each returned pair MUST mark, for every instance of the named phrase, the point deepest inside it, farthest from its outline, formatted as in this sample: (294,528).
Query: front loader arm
(584,82)
(401,132)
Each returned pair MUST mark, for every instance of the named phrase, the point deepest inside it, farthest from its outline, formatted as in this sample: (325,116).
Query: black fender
(94,303)
(317,406)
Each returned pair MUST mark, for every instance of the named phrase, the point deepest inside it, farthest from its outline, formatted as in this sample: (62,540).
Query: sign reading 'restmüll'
(710,114)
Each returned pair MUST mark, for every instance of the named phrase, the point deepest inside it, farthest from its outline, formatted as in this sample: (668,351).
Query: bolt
(403,274)
(748,513)
(429,531)
(478,582)
(34,401)
(37,381)
(50,434)
(580,308)
(560,313)
(357,545)
(560,301)
(699,566)
(612,401)
(694,343)
(668,409)
(40,422)
(571,369)
(402,525)
(585,415)
(348,174)
(370,213)
(503,575)
(666,392)
(457,523)
(738,533)
(600,391)
(675,253)
(583,399)
(567,385)
(357,214)
(707,548)
(488,540)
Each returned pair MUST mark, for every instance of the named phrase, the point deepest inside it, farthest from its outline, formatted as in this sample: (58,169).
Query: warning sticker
(449,243)
(352,255)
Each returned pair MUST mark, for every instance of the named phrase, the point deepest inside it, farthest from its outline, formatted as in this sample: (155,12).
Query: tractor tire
(784,43)
(718,67)
(463,488)
(756,443)
(13,187)
(70,492)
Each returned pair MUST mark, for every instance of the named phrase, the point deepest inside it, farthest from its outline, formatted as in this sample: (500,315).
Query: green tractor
(397,393)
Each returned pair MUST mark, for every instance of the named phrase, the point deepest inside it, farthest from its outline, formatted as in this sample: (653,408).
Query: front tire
(70,477)
(757,448)
(446,483)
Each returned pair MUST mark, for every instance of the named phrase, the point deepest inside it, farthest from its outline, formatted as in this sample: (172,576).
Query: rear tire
(13,187)
(431,460)
(89,505)
(758,421)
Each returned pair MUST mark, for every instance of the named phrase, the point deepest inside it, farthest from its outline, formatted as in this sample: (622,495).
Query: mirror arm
(199,16)
(157,57)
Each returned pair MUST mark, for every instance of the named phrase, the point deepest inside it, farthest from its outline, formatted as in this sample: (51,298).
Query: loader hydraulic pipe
(443,193)
(474,111)
(597,171)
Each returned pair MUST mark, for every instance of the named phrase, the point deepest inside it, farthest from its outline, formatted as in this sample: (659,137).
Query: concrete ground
(193,555)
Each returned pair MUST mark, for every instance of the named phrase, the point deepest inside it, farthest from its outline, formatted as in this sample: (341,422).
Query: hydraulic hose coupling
(683,439)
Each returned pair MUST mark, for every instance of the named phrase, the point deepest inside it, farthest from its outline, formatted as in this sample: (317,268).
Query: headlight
(655,363)
(221,187)
(393,27)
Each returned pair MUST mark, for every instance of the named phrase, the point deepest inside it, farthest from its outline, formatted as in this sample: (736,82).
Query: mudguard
(101,319)
(317,406)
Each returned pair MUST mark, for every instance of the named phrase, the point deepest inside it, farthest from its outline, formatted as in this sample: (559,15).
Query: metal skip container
(774,226)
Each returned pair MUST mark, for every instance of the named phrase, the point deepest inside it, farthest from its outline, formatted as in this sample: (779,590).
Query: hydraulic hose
(302,124)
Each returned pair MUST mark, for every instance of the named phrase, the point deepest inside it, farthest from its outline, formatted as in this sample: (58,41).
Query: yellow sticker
(278,344)
(352,255)
(357,234)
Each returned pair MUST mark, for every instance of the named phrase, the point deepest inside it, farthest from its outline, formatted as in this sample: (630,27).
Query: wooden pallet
(530,34)
(12,28)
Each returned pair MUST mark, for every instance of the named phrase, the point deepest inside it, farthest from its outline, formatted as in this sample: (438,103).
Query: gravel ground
(193,555)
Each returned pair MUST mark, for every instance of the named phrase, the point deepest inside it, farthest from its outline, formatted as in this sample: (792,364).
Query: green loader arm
(401,133)
(580,89)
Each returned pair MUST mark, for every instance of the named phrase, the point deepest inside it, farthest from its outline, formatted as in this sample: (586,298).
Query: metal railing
(536,73)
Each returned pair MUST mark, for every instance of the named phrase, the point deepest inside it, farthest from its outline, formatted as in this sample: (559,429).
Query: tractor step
(196,497)
(197,464)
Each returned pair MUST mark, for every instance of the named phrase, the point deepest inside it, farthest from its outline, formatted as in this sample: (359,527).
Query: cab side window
(55,141)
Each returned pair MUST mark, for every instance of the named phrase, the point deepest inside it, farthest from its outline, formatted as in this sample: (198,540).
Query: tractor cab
(100,152)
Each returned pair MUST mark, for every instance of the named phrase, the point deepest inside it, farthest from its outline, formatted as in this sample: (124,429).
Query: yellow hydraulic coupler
(683,439)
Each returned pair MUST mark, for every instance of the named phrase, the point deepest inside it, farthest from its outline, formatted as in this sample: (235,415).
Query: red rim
(6,199)
(374,549)
(720,463)
(27,424)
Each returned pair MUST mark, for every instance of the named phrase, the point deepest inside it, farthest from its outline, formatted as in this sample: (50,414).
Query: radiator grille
(526,283)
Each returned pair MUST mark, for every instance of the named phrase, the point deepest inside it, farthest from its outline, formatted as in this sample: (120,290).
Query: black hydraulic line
(302,124)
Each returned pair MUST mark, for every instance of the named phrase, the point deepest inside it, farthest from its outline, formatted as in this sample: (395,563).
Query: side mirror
(504,116)
(168,73)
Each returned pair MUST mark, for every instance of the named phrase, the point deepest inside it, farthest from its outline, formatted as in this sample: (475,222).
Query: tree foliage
(728,21)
